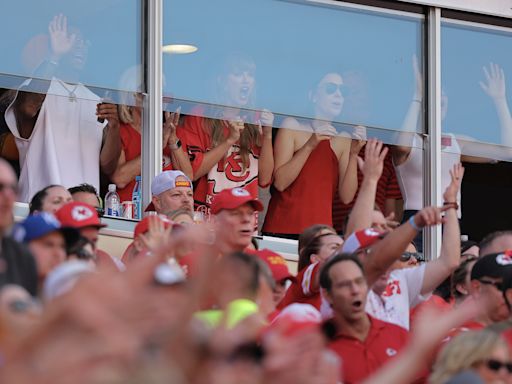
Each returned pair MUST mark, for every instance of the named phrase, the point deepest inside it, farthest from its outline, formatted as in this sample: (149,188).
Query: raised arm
(371,167)
(288,162)
(179,158)
(495,87)
(211,158)
(382,255)
(403,147)
(436,271)
(266,160)
(348,183)
(111,145)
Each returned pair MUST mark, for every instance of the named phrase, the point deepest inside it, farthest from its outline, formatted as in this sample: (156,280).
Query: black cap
(494,265)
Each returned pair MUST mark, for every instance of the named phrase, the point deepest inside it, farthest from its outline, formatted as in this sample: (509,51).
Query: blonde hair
(463,352)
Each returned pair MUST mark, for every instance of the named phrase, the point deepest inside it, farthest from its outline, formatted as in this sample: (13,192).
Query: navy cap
(494,265)
(41,224)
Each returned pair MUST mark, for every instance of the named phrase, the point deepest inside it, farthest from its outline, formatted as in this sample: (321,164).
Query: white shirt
(402,293)
(64,147)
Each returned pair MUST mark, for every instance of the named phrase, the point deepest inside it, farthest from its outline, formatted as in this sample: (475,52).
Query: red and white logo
(504,258)
(393,288)
(81,213)
(391,352)
(240,192)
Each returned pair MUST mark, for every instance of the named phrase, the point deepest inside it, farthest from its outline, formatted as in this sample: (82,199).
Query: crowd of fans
(197,302)
(192,299)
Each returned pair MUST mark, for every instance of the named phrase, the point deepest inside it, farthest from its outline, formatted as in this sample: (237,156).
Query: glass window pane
(92,42)
(305,75)
(286,60)
(476,63)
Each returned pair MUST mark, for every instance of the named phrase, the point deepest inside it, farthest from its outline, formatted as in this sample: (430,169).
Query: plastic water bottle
(112,203)
(137,199)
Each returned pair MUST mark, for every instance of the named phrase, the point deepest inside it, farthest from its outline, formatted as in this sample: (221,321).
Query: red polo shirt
(362,358)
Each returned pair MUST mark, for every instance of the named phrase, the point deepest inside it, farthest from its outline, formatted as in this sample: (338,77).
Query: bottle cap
(111,187)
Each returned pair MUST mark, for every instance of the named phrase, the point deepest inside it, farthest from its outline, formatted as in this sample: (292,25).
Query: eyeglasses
(496,365)
(331,88)
(406,256)
(497,284)
(11,187)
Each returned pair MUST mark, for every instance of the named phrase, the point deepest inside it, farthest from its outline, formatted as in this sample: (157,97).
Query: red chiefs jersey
(301,290)
(228,173)
(362,358)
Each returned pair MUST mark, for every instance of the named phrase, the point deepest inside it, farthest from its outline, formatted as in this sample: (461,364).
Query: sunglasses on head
(497,284)
(496,365)
(331,88)
(406,256)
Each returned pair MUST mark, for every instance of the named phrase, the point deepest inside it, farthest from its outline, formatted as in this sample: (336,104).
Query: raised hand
(430,216)
(456,174)
(358,140)
(60,42)
(108,111)
(265,123)
(235,129)
(170,123)
(373,163)
(494,85)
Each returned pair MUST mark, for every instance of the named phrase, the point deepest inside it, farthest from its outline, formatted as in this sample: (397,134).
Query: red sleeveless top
(308,200)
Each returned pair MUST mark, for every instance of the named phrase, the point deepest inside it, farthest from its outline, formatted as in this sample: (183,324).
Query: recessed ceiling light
(180,49)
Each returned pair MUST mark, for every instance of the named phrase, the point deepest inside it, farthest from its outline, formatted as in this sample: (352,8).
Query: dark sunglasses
(100,211)
(496,365)
(12,187)
(331,88)
(406,256)
(497,284)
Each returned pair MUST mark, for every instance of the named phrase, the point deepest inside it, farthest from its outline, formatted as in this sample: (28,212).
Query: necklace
(71,93)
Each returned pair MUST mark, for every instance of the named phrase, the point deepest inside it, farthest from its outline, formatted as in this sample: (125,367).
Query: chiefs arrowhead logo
(391,352)
(504,259)
(81,213)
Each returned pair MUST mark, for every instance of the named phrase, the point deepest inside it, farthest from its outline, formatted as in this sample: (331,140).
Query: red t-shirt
(229,171)
(301,290)
(387,188)
(433,301)
(507,335)
(362,358)
(131,145)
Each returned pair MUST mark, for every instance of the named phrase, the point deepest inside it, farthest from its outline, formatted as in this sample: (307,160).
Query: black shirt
(17,266)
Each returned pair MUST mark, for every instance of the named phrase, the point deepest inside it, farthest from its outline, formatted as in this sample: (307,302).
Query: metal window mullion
(432,152)
(152,115)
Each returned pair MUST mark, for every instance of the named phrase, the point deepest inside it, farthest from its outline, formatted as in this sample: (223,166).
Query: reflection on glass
(233,148)
(479,116)
(311,161)
(289,55)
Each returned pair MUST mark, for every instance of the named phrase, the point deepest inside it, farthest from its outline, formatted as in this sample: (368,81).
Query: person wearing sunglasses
(484,352)
(312,162)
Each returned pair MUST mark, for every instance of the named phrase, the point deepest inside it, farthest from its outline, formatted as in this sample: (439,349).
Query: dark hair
(311,248)
(311,232)
(36,203)
(77,248)
(465,245)
(487,240)
(459,277)
(325,278)
(443,290)
(88,188)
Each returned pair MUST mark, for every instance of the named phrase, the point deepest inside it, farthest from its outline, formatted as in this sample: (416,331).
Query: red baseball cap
(277,264)
(298,317)
(143,225)
(362,239)
(78,215)
(233,198)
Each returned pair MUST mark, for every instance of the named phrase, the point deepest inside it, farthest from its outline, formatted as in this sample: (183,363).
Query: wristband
(451,204)
(413,224)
